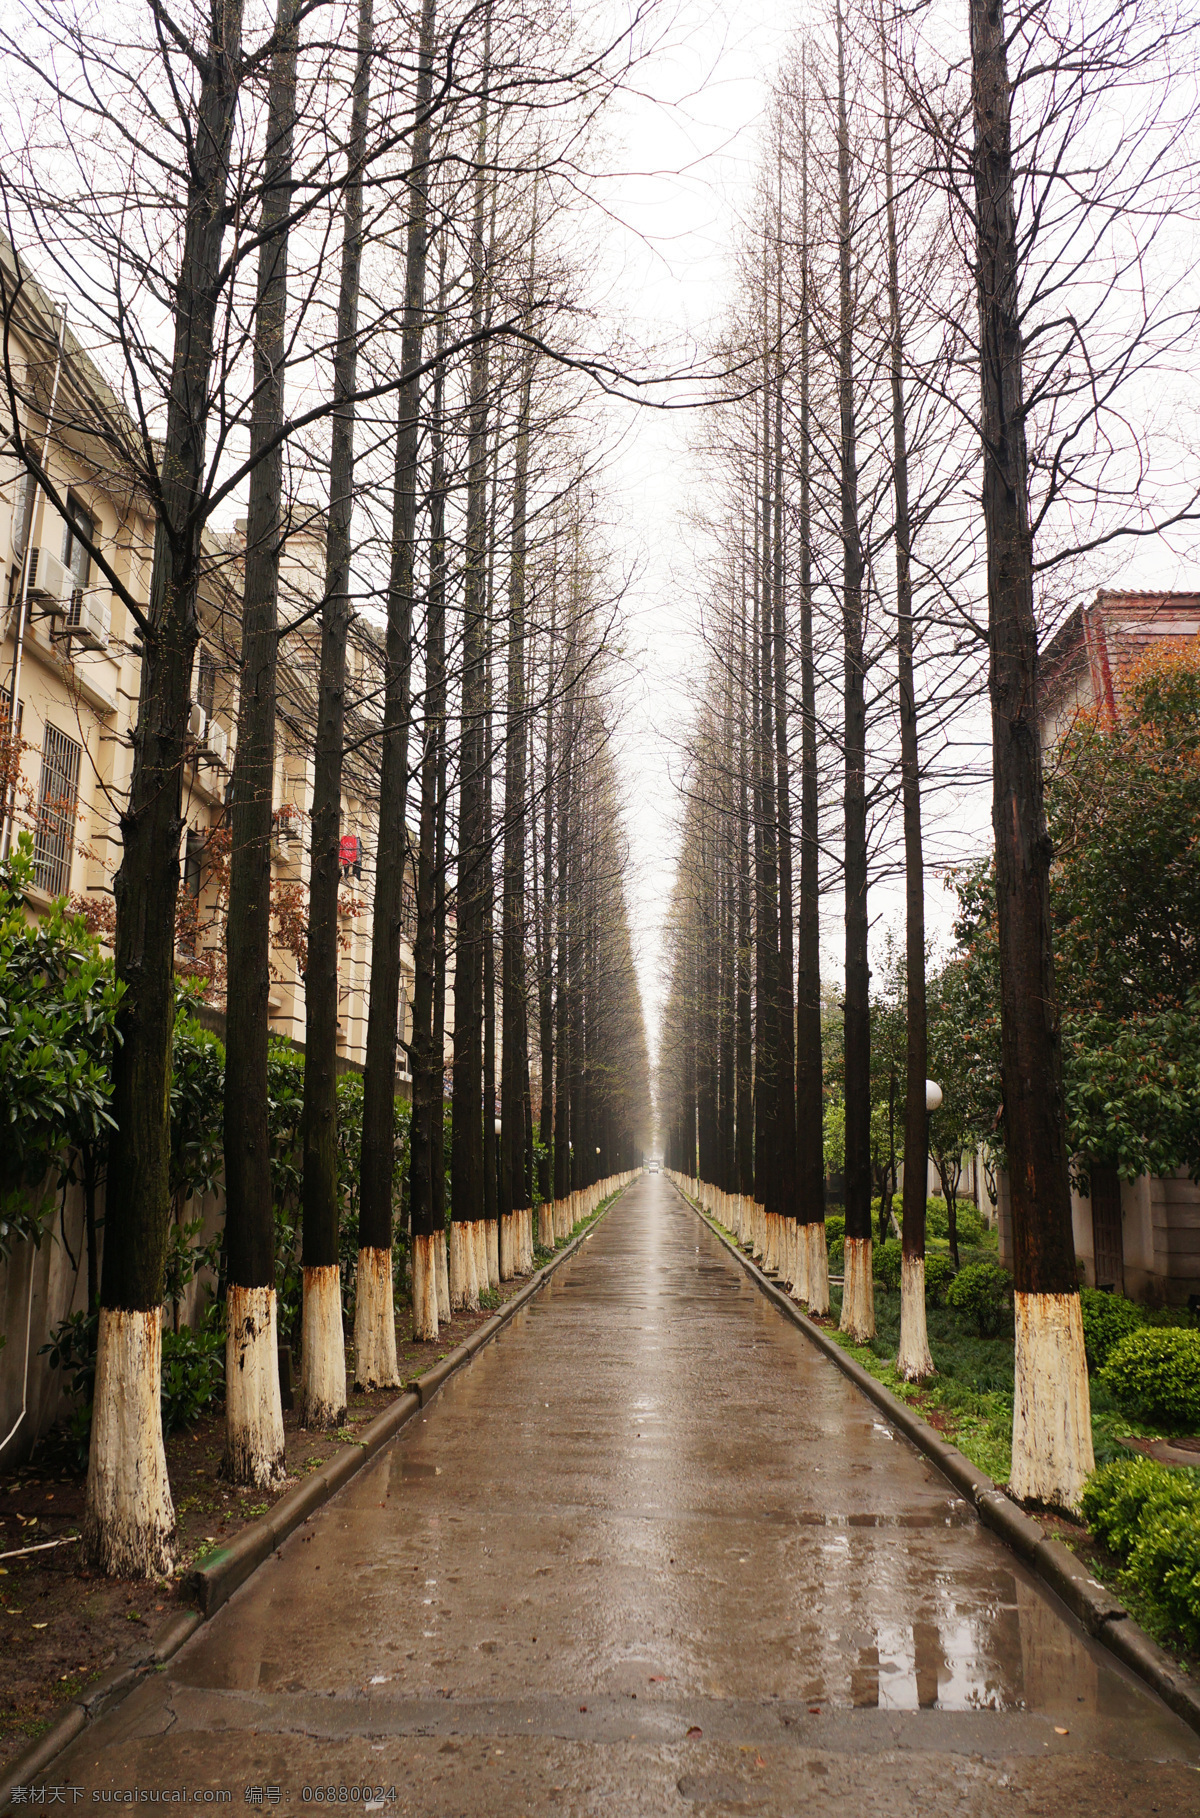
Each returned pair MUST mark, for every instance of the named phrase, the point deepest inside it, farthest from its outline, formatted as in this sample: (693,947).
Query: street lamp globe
(933,1095)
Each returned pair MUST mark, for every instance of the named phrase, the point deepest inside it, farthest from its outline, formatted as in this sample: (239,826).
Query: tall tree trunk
(810,1133)
(913,1360)
(129,1524)
(564,1134)
(546,1130)
(1052,1436)
(765,930)
(375,1365)
(322,1391)
(744,1063)
(785,1085)
(858,1299)
(514,1189)
(426,1163)
(253,1407)
(467,1158)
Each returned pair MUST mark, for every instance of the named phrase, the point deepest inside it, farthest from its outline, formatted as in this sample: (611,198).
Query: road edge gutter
(1093,1604)
(226,1570)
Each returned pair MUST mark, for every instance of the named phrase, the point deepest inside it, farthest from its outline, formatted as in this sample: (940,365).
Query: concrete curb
(1093,1604)
(215,1582)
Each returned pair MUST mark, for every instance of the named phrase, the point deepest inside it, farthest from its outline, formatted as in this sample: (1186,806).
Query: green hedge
(1149,1516)
(1156,1374)
(983,1291)
(1107,1319)
(886,1261)
(969,1221)
(939,1273)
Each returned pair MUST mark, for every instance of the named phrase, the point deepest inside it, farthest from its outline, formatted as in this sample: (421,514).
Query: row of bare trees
(962,300)
(323,258)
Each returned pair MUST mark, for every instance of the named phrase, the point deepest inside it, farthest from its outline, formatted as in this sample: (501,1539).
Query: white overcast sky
(683,165)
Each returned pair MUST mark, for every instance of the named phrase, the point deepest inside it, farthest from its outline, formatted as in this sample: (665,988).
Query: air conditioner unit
(88,622)
(198,724)
(218,744)
(283,833)
(49,581)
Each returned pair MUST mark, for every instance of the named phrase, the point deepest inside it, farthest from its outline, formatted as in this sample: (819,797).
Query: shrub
(193,1371)
(1180,1317)
(939,1273)
(983,1291)
(837,1255)
(1165,1564)
(835,1229)
(886,1260)
(937,1218)
(971,1225)
(1107,1319)
(1116,1497)
(1149,1516)
(1156,1374)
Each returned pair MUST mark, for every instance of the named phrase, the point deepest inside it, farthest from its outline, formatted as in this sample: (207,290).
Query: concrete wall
(41,1286)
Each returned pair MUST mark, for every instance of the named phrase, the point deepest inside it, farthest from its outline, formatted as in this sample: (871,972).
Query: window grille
(206,680)
(58,795)
(6,712)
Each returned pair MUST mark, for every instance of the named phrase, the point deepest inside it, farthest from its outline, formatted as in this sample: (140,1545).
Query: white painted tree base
(253,1405)
(914,1362)
(464,1283)
(492,1248)
(817,1296)
(441,1252)
(321,1400)
(799,1288)
(425,1285)
(507,1245)
(375,1365)
(792,1266)
(129,1520)
(545,1225)
(1052,1455)
(858,1293)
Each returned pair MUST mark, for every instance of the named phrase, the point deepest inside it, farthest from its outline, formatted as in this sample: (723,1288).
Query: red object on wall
(350,850)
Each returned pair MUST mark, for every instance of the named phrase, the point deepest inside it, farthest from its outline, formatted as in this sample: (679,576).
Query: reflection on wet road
(651,1553)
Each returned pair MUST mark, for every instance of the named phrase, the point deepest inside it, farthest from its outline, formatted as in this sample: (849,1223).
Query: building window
(206,680)
(75,557)
(6,713)
(22,513)
(58,796)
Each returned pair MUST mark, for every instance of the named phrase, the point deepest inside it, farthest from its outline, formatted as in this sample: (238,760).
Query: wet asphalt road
(650,1553)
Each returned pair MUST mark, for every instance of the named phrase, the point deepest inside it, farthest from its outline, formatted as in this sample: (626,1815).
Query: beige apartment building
(70,649)
(70,658)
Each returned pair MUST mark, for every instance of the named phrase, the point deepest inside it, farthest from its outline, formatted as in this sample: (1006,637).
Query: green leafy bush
(1165,1564)
(1116,1497)
(972,1228)
(939,1273)
(1149,1516)
(886,1260)
(193,1371)
(1156,1374)
(58,1006)
(1107,1319)
(983,1291)
(835,1229)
